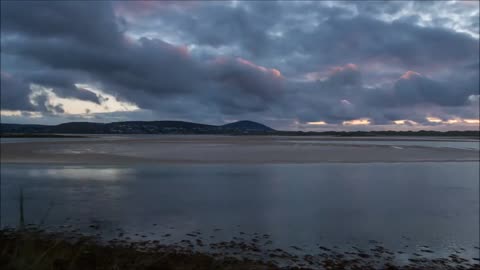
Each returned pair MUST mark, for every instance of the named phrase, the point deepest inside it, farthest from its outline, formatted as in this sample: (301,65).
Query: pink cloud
(337,69)
(272,71)
(320,75)
(5,75)
(133,9)
(409,74)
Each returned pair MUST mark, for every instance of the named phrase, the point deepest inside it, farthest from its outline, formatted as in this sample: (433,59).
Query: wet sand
(227,149)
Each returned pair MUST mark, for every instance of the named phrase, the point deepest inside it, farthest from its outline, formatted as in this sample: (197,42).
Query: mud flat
(231,149)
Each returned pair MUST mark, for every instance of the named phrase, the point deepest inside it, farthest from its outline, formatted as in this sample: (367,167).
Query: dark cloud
(43,105)
(146,70)
(14,94)
(412,88)
(362,39)
(76,20)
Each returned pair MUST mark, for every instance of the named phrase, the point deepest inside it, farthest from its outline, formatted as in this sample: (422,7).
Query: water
(344,205)
(460,144)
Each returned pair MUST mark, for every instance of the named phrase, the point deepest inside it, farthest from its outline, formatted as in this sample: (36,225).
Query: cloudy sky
(322,65)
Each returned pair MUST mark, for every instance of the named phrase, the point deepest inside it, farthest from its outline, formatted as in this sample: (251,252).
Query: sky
(320,65)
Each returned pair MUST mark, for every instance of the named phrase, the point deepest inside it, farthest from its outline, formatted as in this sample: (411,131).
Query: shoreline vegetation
(33,248)
(39,250)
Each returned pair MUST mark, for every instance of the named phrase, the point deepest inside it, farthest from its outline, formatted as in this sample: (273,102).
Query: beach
(234,149)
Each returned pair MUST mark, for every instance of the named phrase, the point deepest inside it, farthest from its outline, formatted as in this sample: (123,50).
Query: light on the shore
(20,113)
(405,122)
(317,123)
(453,121)
(357,122)
(434,119)
(472,121)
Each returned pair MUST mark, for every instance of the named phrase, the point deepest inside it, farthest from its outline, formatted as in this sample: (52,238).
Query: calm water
(399,205)
(468,145)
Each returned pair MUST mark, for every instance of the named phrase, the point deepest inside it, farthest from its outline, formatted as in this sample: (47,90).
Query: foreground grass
(38,250)
(35,249)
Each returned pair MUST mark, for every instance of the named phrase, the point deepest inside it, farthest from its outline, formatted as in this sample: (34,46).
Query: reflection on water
(81,173)
(402,204)
(467,145)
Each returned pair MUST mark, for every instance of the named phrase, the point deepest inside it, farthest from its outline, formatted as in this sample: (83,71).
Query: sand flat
(228,149)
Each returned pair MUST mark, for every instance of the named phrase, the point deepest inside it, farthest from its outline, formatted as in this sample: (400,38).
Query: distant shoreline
(365,136)
(239,128)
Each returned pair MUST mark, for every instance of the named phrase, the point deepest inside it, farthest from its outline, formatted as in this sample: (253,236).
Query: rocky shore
(37,249)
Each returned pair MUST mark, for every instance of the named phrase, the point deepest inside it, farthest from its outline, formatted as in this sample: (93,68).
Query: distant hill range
(181,127)
(139,127)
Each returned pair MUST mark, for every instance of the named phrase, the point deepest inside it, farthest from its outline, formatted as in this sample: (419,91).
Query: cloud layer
(312,65)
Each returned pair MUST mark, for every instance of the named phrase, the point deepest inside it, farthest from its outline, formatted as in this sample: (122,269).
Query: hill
(138,127)
(246,125)
(180,127)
